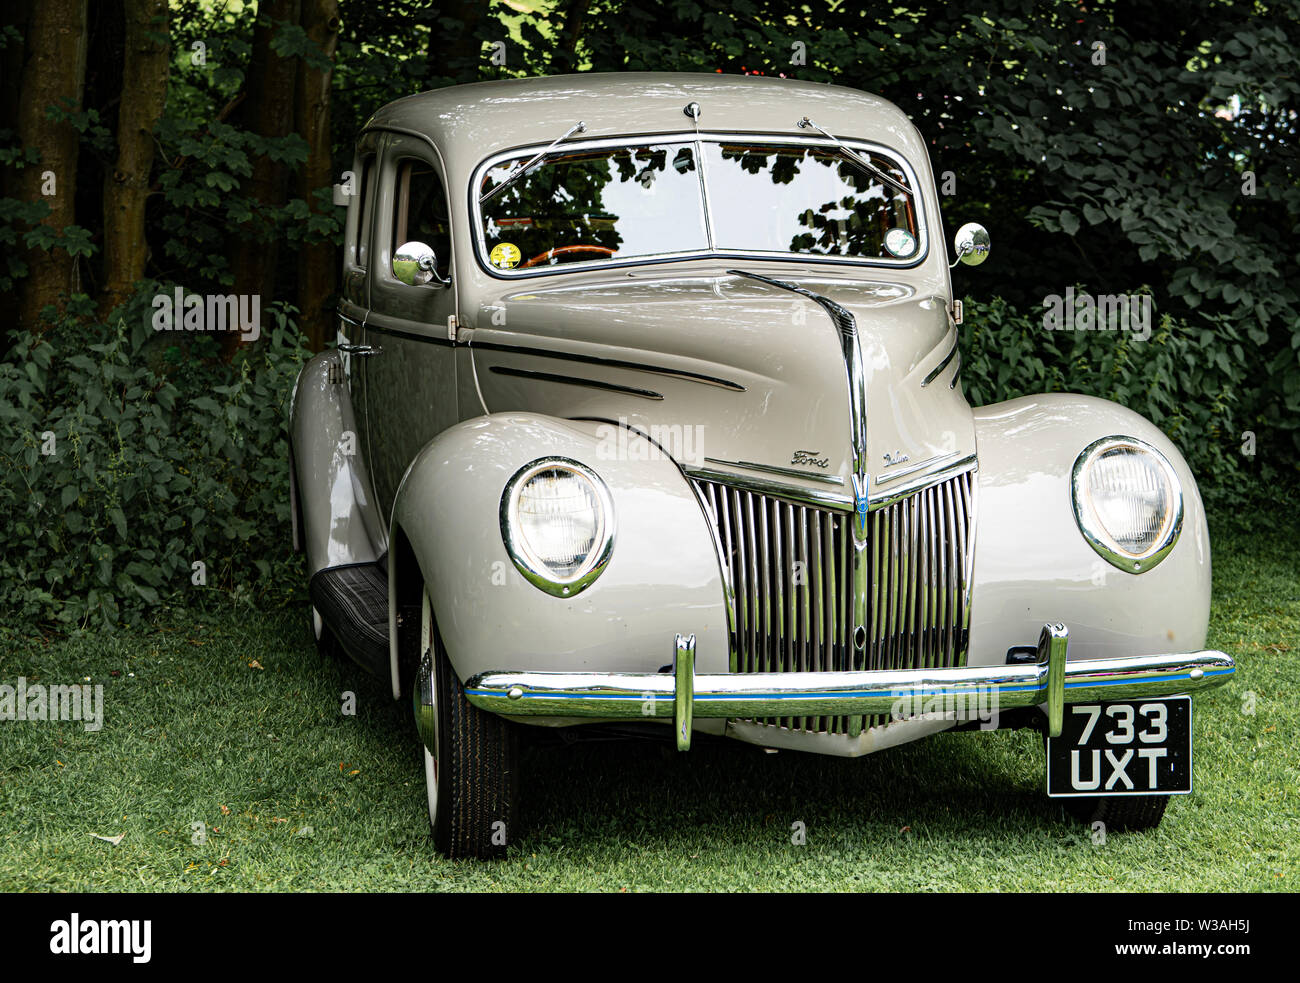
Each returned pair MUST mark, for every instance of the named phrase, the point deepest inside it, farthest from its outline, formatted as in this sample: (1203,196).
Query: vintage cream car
(646,415)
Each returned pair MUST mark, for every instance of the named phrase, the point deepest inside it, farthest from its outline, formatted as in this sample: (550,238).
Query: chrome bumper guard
(682,695)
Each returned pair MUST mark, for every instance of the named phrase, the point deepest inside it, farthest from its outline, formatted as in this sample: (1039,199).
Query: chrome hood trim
(778,390)
(855,370)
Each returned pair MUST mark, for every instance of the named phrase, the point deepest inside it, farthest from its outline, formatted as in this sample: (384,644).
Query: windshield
(613,204)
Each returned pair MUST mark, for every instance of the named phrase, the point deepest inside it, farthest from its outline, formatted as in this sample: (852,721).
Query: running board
(353,601)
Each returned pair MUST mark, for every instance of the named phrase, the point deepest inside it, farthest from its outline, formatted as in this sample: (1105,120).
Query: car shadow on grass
(602,799)
(722,790)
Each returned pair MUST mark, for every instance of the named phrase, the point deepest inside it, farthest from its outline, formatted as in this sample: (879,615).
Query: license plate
(1130,747)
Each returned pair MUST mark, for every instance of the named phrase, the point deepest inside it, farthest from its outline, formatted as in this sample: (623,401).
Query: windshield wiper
(855,157)
(518,172)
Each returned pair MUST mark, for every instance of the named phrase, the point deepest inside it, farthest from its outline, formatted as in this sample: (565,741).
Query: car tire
(327,645)
(471,775)
(1120,814)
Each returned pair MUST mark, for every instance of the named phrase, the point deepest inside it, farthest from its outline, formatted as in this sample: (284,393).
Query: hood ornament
(861,504)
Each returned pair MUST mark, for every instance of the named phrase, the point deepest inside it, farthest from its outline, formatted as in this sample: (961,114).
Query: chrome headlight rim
(533,569)
(1090,524)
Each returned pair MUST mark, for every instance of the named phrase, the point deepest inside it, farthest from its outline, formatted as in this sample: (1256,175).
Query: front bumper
(682,695)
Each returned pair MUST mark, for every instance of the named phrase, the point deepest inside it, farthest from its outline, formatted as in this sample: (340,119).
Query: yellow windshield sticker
(505,255)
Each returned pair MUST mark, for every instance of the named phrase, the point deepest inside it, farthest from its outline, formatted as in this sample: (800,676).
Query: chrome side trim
(571,380)
(614,363)
(652,695)
(830,479)
(934,372)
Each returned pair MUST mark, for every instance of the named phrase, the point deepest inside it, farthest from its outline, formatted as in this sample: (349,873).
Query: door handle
(361,351)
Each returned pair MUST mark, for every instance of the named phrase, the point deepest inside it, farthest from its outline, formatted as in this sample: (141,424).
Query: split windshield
(613,204)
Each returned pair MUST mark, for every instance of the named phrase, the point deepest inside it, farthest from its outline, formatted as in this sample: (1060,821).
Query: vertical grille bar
(762,649)
(751,650)
(894,599)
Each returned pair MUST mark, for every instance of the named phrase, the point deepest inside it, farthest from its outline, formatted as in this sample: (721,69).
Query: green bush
(1188,384)
(128,458)
(163,455)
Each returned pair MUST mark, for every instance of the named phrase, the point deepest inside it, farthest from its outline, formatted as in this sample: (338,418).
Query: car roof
(469,122)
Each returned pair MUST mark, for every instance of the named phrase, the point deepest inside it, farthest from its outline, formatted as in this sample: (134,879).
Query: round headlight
(557,521)
(1127,502)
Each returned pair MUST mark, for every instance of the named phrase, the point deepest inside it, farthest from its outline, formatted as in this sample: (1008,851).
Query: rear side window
(421,211)
(363,224)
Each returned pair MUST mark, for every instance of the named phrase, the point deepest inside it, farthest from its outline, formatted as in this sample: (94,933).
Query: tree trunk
(126,188)
(18,15)
(268,112)
(53,76)
(317,261)
(457,52)
(575,12)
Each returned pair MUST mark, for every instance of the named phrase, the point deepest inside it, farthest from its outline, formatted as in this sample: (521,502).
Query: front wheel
(470,758)
(326,642)
(1120,814)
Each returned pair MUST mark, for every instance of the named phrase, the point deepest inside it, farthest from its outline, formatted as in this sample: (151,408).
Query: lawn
(232,721)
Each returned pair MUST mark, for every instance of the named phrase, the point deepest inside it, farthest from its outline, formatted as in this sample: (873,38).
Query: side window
(363,226)
(422,214)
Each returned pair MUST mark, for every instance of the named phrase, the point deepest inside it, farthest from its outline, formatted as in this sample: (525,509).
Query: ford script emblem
(810,457)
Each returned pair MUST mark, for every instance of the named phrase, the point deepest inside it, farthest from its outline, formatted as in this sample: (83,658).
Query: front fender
(1032,565)
(663,576)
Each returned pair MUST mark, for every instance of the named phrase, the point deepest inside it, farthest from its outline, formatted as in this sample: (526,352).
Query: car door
(409,370)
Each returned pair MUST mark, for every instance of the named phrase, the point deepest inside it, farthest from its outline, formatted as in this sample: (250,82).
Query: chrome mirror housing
(416,264)
(971,244)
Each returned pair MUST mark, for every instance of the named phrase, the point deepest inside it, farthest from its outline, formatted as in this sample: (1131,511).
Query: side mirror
(971,243)
(416,264)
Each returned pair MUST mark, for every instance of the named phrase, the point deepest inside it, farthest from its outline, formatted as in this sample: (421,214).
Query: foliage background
(1120,177)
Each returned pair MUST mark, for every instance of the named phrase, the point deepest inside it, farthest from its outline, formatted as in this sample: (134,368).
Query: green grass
(297,796)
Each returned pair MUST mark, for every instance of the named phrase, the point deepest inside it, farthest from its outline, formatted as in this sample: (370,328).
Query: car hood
(733,374)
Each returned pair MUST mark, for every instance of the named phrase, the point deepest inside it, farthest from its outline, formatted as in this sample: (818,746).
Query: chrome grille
(790,567)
